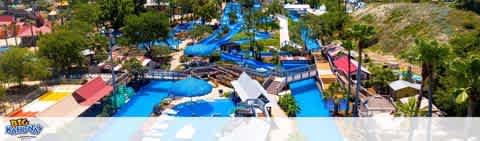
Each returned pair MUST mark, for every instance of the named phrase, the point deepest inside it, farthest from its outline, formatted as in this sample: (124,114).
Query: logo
(23,128)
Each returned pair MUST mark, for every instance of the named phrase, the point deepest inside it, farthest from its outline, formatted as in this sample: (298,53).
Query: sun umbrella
(190,87)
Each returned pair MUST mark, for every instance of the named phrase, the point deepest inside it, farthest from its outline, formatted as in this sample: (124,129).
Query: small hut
(401,88)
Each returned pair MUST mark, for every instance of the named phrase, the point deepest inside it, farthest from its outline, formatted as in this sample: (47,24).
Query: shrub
(288,104)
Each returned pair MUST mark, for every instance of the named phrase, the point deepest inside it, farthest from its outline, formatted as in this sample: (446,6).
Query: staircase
(274,85)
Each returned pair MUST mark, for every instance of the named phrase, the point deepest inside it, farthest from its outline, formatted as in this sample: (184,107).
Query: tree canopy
(17,64)
(63,48)
(147,27)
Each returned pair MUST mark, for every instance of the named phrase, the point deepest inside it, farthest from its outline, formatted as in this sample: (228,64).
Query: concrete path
(178,55)
(284,37)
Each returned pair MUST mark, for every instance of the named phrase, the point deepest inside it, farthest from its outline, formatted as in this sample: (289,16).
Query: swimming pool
(142,103)
(309,98)
(202,108)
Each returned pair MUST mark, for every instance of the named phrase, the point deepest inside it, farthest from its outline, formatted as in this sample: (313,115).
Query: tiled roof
(401,84)
(92,91)
(26,30)
(6,19)
(342,64)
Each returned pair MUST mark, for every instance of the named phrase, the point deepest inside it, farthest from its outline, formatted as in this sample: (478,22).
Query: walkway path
(178,55)
(284,37)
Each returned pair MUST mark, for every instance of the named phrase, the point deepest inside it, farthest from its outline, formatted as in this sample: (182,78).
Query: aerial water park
(208,69)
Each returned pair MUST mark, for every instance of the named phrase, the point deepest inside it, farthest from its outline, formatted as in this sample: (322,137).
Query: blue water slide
(311,44)
(245,61)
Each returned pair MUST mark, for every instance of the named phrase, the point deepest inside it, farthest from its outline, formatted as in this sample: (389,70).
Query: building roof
(247,88)
(68,107)
(26,30)
(378,103)
(342,64)
(296,6)
(6,20)
(401,84)
(296,58)
(92,91)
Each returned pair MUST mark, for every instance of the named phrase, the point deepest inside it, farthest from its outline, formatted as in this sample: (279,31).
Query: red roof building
(92,91)
(25,30)
(342,64)
(6,20)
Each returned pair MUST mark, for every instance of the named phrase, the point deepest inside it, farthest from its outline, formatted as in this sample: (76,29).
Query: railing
(165,75)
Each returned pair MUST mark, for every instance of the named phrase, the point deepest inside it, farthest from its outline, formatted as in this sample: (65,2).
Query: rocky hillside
(399,24)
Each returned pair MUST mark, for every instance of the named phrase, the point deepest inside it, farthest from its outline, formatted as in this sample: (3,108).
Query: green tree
(6,33)
(466,79)
(186,6)
(408,109)
(206,10)
(98,44)
(333,93)
(349,45)
(328,26)
(288,104)
(430,54)
(380,78)
(114,11)
(63,49)
(199,31)
(134,68)
(161,54)
(81,27)
(146,28)
(362,35)
(17,64)
(275,7)
(89,13)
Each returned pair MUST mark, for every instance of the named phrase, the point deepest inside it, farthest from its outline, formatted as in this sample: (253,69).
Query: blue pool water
(141,105)
(309,98)
(217,108)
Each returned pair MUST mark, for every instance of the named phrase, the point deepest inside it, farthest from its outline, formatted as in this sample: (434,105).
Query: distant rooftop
(401,84)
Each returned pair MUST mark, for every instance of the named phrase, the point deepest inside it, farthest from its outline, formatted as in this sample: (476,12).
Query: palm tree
(14,25)
(362,34)
(408,109)
(380,78)
(332,93)
(430,55)
(31,23)
(6,34)
(465,72)
(348,44)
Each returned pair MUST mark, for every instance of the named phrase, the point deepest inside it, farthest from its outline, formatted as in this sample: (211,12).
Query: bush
(226,94)
(215,57)
(469,26)
(288,104)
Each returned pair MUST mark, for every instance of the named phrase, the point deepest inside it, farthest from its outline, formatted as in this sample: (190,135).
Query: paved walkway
(178,55)
(284,37)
